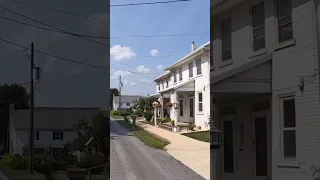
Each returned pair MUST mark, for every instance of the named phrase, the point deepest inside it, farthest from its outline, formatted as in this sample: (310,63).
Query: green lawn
(201,136)
(145,137)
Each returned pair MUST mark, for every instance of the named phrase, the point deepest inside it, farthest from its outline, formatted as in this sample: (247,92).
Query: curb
(3,177)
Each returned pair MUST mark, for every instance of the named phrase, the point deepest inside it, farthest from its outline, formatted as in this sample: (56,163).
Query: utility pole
(31,147)
(120,85)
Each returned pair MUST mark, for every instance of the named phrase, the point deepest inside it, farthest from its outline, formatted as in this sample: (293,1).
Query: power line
(140,74)
(134,80)
(60,11)
(148,3)
(103,37)
(14,12)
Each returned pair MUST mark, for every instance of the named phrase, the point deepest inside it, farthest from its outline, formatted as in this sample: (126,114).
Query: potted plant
(169,104)
(155,103)
(158,105)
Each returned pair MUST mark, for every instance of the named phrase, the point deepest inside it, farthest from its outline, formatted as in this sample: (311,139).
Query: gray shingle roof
(126,98)
(53,117)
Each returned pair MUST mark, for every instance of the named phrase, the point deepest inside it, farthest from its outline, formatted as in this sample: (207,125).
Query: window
(200,106)
(258,27)
(180,74)
(167,81)
(190,66)
(226,39)
(181,107)
(162,85)
(175,76)
(211,61)
(57,135)
(57,152)
(288,127)
(198,64)
(284,15)
(36,135)
(128,104)
(158,86)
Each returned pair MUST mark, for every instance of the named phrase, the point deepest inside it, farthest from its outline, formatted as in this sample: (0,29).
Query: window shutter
(61,135)
(54,135)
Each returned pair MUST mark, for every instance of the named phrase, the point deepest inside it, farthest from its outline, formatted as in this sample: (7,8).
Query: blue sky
(129,53)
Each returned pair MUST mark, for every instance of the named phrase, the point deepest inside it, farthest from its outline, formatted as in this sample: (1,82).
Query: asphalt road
(131,160)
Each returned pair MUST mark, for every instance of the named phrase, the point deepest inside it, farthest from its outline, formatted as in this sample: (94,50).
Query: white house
(265,88)
(127,101)
(186,83)
(53,127)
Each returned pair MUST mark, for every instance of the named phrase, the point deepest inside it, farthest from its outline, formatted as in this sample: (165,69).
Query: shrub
(115,113)
(148,115)
(92,160)
(139,113)
(172,122)
(16,162)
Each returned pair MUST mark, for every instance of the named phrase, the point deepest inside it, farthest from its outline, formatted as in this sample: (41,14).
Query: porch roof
(252,77)
(185,86)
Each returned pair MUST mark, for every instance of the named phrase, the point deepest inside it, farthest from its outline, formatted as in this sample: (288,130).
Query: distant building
(127,101)
(53,127)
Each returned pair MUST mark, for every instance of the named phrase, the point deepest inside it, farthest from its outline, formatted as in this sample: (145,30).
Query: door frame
(228,176)
(191,119)
(260,114)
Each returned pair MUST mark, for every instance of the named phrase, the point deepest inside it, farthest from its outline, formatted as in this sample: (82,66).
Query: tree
(113,92)
(17,95)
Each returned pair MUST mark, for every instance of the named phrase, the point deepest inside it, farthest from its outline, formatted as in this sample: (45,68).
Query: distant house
(127,101)
(53,127)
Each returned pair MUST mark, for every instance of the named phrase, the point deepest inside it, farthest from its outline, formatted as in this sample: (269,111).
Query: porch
(242,110)
(183,106)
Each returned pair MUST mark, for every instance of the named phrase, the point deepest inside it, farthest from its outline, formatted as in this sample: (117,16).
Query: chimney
(193,46)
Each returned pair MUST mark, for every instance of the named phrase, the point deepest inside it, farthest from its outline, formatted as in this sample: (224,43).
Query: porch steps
(166,126)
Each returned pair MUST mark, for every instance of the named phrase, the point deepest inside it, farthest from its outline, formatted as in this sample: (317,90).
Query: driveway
(130,159)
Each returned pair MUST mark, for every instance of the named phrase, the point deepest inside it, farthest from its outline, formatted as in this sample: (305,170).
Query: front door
(260,145)
(191,110)
(229,171)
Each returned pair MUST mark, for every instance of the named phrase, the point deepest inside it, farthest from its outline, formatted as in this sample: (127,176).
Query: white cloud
(122,73)
(125,81)
(142,69)
(154,52)
(159,67)
(119,53)
(133,83)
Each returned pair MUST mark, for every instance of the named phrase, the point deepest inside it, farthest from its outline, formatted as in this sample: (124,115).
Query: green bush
(148,115)
(91,161)
(139,113)
(16,162)
(115,113)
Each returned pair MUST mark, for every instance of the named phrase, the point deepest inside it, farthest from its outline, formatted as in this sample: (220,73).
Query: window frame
(128,104)
(55,136)
(180,74)
(200,102)
(226,39)
(199,69)
(282,128)
(167,82)
(284,24)
(175,76)
(255,28)
(190,68)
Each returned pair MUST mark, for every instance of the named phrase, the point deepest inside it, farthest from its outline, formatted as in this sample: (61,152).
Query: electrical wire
(60,11)
(48,25)
(103,37)
(148,3)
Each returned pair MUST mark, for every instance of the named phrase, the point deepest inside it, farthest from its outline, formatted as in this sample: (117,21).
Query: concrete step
(166,127)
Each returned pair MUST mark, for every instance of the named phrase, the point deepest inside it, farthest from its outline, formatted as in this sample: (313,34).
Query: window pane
(200,97)
(284,7)
(200,107)
(284,20)
(258,15)
(226,29)
(226,45)
(285,32)
(226,55)
(190,69)
(289,114)
(228,146)
(289,143)
(181,107)
(180,74)
(258,42)
(258,31)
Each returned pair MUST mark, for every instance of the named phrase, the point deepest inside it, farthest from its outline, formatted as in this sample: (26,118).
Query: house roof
(126,98)
(53,117)
(166,73)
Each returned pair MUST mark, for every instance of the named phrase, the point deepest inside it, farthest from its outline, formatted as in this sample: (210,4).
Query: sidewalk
(192,153)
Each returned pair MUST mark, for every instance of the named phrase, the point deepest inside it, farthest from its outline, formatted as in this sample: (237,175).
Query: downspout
(317,60)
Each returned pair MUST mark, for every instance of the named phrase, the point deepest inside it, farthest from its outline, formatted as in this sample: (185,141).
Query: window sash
(200,106)
(180,74)
(190,66)
(198,64)
(175,76)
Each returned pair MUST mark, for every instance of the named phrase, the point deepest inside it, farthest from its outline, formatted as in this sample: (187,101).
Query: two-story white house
(265,88)
(187,84)
(127,101)
(53,127)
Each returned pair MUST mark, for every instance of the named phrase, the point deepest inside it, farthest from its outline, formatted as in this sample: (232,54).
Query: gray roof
(53,117)
(126,98)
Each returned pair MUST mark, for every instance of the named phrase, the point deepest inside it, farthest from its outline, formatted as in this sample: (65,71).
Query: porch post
(176,99)
(161,102)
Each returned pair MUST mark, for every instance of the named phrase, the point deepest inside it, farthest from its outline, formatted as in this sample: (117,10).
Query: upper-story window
(128,104)
(162,85)
(180,74)
(198,64)
(159,86)
(36,135)
(226,39)
(190,66)
(175,76)
(57,135)
(167,82)
(258,27)
(284,15)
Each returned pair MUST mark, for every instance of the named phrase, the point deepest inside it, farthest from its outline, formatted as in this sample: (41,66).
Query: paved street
(131,160)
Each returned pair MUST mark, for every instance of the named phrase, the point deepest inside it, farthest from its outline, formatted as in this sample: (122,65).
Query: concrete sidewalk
(192,153)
